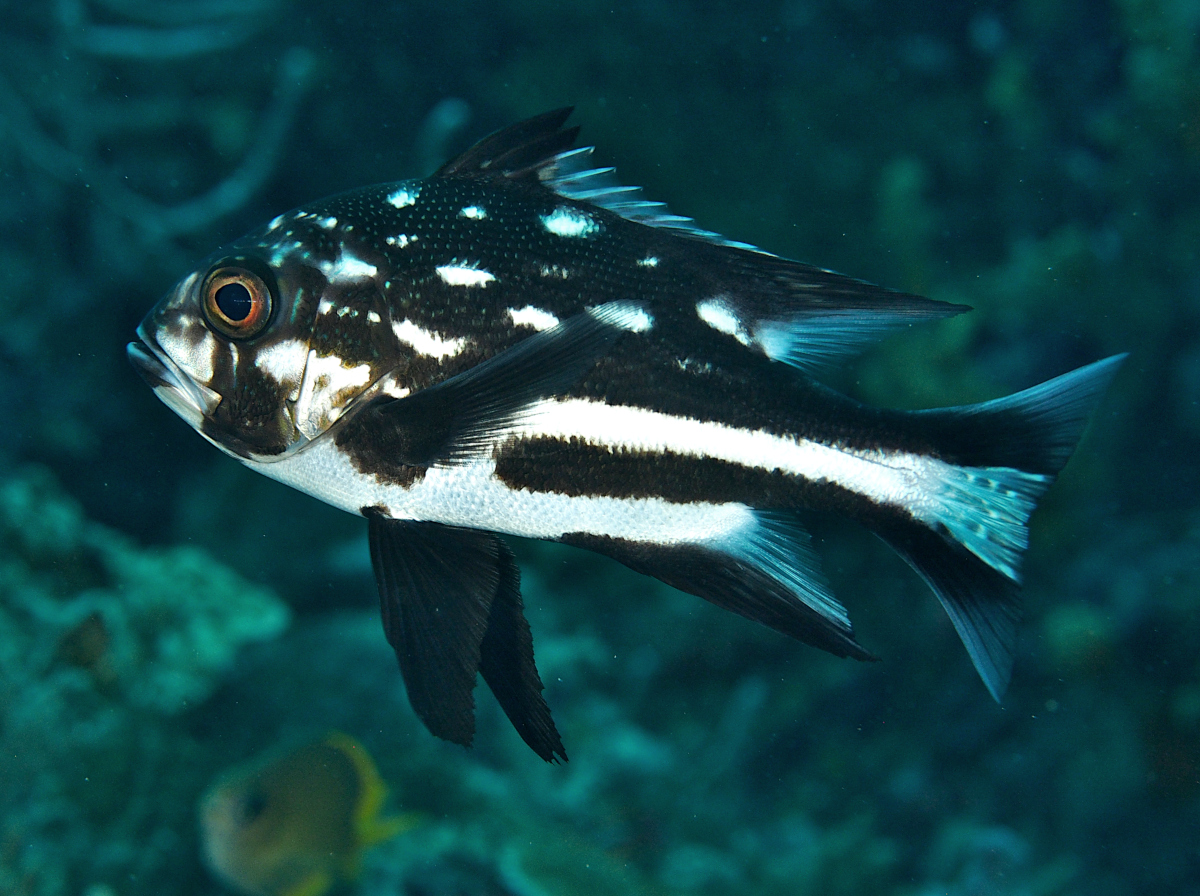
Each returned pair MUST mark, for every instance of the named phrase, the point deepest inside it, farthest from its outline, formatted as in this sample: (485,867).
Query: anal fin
(766,572)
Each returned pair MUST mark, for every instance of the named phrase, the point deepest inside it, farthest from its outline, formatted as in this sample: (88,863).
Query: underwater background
(167,615)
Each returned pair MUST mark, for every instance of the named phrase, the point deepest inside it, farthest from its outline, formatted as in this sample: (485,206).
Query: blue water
(1039,161)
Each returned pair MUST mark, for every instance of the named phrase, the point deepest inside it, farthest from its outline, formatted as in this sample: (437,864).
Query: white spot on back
(404,196)
(569,222)
(327,223)
(395,390)
(530,316)
(373,317)
(464,275)
(778,341)
(427,342)
(275,222)
(473,211)
(346,268)
(626,315)
(650,261)
(717,314)
(640,322)
(554,270)
(401,240)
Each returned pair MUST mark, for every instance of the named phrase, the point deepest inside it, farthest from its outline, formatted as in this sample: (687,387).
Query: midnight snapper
(519,345)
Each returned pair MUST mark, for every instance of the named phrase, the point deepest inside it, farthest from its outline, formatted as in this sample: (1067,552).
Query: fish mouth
(187,398)
(193,401)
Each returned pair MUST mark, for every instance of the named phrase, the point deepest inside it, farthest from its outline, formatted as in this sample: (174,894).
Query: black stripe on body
(717,383)
(374,447)
(577,469)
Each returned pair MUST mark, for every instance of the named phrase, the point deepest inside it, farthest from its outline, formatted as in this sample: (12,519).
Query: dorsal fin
(518,151)
(792,312)
(539,149)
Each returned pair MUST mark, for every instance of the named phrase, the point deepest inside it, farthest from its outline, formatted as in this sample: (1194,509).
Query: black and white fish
(519,345)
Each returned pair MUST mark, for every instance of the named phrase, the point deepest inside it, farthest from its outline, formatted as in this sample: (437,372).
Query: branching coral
(101,645)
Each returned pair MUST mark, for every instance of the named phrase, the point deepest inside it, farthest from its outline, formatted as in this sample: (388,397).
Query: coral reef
(102,646)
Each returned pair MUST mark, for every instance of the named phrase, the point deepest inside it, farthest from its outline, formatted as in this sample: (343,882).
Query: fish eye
(237,302)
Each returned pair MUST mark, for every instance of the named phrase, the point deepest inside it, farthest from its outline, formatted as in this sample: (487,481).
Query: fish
(520,345)
(297,821)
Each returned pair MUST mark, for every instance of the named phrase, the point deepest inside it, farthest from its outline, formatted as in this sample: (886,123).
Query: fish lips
(187,398)
(194,402)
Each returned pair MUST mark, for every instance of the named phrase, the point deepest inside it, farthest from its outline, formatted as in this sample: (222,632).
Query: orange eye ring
(237,302)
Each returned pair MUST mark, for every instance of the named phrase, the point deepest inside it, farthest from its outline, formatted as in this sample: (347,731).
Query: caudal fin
(969,542)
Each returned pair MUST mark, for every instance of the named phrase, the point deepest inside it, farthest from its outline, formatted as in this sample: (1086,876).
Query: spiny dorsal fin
(568,174)
(540,149)
(518,151)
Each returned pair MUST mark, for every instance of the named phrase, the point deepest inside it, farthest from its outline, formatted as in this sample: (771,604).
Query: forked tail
(968,542)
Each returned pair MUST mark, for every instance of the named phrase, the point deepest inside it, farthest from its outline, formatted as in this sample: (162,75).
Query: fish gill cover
(1036,161)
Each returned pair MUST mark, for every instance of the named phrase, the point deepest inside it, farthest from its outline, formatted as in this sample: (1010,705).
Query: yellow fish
(296,822)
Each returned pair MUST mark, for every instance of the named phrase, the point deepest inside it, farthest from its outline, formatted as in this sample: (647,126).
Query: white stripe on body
(984,508)
(900,479)
(471,495)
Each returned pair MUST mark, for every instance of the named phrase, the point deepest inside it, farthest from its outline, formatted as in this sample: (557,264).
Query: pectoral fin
(451,605)
(460,417)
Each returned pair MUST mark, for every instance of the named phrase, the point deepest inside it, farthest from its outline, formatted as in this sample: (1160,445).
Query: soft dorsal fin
(807,316)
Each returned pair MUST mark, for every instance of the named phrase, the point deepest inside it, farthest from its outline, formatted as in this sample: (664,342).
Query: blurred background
(167,615)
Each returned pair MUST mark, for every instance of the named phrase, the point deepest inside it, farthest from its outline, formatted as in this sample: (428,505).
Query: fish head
(267,344)
(296,819)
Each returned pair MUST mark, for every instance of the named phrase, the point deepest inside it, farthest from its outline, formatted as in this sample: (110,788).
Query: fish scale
(520,345)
